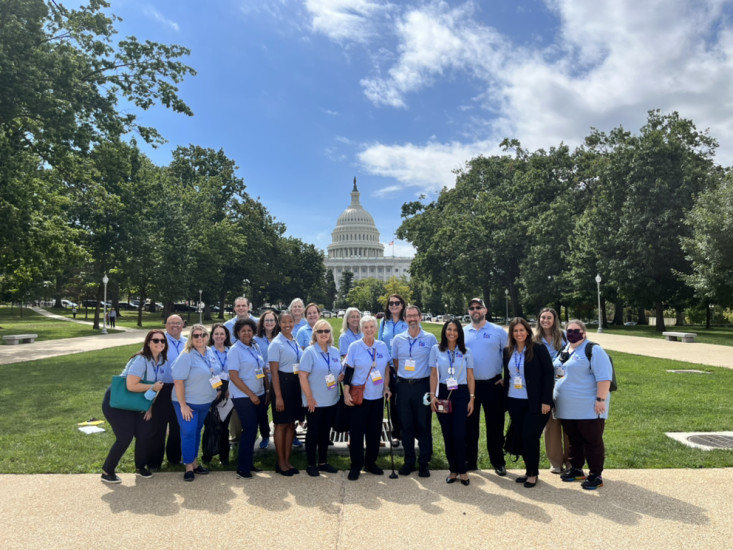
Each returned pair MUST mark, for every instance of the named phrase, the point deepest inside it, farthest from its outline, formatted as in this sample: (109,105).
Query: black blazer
(539,376)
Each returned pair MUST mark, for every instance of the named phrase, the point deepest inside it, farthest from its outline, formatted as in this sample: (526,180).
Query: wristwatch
(600,399)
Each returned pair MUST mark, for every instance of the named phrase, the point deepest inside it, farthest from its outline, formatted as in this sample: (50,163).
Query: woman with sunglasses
(320,373)
(451,379)
(267,329)
(141,375)
(219,343)
(549,334)
(528,380)
(393,323)
(196,383)
(249,389)
(284,356)
(582,397)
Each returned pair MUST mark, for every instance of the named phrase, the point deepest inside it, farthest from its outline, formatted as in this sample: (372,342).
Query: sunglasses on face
(475,308)
(158,340)
(574,331)
(323,331)
(198,335)
(395,303)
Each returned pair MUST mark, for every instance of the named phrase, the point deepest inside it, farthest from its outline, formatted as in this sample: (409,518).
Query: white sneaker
(556,470)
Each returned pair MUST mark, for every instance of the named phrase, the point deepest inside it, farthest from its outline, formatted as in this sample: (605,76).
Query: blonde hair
(557,338)
(320,323)
(349,311)
(189,343)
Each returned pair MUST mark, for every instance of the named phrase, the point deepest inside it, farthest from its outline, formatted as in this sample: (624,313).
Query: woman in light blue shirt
(267,329)
(350,332)
(451,379)
(320,373)
(196,383)
(393,323)
(303,336)
(366,365)
(219,344)
(249,389)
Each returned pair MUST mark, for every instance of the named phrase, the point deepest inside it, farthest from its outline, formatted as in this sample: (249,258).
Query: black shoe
(406,470)
(144,472)
(465,481)
(327,468)
(294,471)
(256,469)
(592,483)
(242,473)
(450,479)
(353,475)
(111,478)
(521,479)
(424,471)
(530,484)
(286,473)
(313,471)
(573,474)
(200,470)
(374,469)
(500,470)
(189,476)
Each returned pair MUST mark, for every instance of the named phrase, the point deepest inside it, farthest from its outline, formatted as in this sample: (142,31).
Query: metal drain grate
(715,441)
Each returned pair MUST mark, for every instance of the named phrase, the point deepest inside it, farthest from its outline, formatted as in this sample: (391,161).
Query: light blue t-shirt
(575,393)
(304,336)
(406,347)
(516,368)
(245,361)
(346,339)
(487,345)
(457,360)
(388,329)
(196,370)
(175,347)
(284,352)
(360,356)
(318,364)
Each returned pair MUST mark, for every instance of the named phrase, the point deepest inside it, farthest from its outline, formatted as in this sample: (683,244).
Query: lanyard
(206,360)
(372,353)
(254,355)
(296,348)
(411,343)
(327,358)
(218,356)
(176,343)
(518,359)
(451,359)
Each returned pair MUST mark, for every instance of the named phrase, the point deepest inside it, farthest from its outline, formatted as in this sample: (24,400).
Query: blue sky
(306,94)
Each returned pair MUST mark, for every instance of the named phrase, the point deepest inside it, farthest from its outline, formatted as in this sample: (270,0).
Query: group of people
(547,380)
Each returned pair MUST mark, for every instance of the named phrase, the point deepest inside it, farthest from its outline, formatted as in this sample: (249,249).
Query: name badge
(215,382)
(452,383)
(518,383)
(330,381)
(259,373)
(410,365)
(376,377)
(296,368)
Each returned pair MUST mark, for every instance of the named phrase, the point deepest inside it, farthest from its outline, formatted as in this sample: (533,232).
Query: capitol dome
(355,235)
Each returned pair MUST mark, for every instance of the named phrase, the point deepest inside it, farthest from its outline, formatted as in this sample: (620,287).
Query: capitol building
(355,247)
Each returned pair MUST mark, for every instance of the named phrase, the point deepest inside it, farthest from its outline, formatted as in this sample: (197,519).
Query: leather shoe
(312,471)
(450,479)
(424,471)
(500,470)
(200,470)
(286,473)
(465,481)
(256,469)
(406,470)
(374,469)
(529,484)
(241,473)
(521,479)
(353,475)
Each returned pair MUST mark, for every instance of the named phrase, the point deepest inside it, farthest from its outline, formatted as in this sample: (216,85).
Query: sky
(305,95)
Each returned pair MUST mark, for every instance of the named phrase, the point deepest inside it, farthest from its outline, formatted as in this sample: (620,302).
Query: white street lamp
(105,280)
(598,283)
(200,308)
(506,300)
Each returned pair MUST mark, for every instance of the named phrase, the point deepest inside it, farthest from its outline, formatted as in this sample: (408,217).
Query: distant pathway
(45,313)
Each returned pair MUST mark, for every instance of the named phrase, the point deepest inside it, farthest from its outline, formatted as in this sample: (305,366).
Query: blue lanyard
(518,360)
(254,356)
(218,356)
(411,343)
(176,343)
(451,359)
(296,348)
(206,360)
(372,353)
(327,358)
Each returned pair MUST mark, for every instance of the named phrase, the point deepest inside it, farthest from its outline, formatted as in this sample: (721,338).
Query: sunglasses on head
(158,340)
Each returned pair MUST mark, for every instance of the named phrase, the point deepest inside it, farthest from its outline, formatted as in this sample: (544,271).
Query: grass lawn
(48,397)
(45,327)
(722,336)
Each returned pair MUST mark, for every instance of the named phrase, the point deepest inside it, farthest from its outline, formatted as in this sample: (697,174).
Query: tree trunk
(708,315)
(618,314)
(680,318)
(222,298)
(659,308)
(517,310)
(641,316)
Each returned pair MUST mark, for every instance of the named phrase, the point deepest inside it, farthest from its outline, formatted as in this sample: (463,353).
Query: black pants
(453,426)
(586,443)
(490,396)
(165,422)
(248,414)
(529,425)
(126,425)
(393,404)
(366,423)
(222,429)
(317,436)
(415,420)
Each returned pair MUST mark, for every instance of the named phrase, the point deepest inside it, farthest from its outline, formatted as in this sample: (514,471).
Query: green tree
(330,289)
(346,283)
(366,293)
(395,285)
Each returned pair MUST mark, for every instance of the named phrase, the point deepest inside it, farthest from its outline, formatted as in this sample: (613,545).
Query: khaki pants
(235,427)
(557,444)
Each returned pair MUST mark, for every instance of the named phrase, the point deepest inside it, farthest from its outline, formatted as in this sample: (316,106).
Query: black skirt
(290,390)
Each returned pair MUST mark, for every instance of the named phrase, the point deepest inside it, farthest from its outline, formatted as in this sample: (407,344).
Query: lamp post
(506,300)
(598,284)
(200,312)
(105,280)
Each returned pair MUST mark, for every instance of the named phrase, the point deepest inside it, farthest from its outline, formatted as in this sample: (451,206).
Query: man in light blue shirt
(241,309)
(411,354)
(486,342)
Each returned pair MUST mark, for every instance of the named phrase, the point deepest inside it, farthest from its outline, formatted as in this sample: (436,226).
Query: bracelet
(472,395)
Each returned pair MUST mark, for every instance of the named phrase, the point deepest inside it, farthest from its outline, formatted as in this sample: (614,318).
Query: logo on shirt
(421,344)
(380,356)
(487,336)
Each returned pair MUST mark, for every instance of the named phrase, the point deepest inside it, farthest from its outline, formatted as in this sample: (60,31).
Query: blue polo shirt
(406,347)
(230,326)
(175,347)
(487,345)
(346,339)
(145,369)
(195,370)
(264,343)
(304,336)
(460,361)
(388,329)
(360,357)
(284,352)
(299,325)
(516,368)
(221,357)
(318,364)
(245,360)
(575,393)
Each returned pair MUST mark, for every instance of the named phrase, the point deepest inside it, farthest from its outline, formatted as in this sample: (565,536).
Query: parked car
(326,314)
(380,315)
(341,313)
(68,303)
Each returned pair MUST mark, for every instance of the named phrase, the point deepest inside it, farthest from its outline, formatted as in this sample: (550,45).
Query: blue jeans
(191,430)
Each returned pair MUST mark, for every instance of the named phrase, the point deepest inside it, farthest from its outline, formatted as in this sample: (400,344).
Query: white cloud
(347,20)
(401,250)
(160,18)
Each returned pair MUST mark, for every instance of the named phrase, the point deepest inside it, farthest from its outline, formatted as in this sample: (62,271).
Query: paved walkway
(637,509)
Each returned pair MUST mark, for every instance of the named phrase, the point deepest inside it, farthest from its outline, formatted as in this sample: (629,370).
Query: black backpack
(589,354)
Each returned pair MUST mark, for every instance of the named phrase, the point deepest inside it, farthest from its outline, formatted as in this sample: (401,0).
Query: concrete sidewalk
(637,509)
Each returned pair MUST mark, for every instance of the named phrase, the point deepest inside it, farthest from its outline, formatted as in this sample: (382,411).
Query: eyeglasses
(398,303)
(175,324)
(475,308)
(198,335)
(158,340)
(323,331)
(574,331)
(269,321)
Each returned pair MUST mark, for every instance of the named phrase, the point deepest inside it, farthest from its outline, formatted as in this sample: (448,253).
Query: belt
(490,381)
(412,380)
